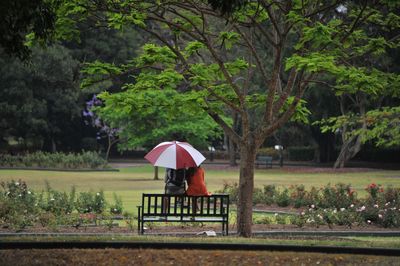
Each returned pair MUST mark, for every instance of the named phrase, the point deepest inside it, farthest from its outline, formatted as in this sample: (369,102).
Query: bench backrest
(163,204)
(264,158)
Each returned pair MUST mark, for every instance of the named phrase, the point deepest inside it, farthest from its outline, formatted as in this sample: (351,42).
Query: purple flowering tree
(103,130)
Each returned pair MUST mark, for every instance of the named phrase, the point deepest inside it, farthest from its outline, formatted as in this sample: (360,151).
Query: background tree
(371,89)
(193,57)
(42,97)
(20,17)
(103,130)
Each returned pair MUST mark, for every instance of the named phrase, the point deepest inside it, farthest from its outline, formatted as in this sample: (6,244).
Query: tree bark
(246,187)
(348,150)
(351,146)
(156,173)
(232,152)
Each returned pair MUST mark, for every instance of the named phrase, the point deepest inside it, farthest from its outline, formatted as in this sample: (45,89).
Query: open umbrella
(175,154)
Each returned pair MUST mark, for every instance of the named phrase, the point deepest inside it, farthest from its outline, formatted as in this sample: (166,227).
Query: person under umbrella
(176,156)
(196,183)
(175,181)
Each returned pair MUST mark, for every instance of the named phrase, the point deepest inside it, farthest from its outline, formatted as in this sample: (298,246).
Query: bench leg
(139,218)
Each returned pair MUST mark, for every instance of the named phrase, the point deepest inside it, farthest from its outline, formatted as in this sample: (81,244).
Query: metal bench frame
(183,208)
(264,160)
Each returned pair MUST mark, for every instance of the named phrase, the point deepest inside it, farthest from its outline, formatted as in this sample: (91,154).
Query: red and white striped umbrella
(175,154)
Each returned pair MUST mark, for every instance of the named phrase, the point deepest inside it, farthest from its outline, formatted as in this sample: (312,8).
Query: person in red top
(196,184)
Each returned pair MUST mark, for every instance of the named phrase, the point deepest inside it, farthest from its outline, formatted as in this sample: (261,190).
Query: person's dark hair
(190,171)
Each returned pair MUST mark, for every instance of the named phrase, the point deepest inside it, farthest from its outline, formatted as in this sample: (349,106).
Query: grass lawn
(130,183)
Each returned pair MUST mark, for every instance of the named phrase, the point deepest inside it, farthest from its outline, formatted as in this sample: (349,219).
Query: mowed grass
(129,183)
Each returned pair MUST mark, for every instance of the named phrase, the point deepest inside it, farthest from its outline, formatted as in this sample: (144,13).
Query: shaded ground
(181,257)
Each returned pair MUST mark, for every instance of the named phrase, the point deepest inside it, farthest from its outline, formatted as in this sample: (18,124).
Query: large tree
(20,17)
(39,102)
(255,63)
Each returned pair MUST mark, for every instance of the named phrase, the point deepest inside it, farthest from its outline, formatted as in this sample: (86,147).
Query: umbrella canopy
(175,154)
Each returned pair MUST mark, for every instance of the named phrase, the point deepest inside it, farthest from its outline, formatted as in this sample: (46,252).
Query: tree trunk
(53,145)
(156,173)
(351,146)
(246,187)
(108,147)
(232,153)
(348,150)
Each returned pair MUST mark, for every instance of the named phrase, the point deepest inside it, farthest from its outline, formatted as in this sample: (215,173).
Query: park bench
(264,161)
(183,208)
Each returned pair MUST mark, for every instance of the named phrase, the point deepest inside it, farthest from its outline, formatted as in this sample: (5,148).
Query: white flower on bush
(312,206)
(8,193)
(20,195)
(362,208)
(334,211)
(52,199)
(98,194)
(380,216)
(369,222)
(276,214)
(302,213)
(387,203)
(29,192)
(342,209)
(376,206)
(352,205)
(320,216)
(309,220)
(17,183)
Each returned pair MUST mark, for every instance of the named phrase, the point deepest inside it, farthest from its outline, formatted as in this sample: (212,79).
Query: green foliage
(119,21)
(301,153)
(56,202)
(117,207)
(228,39)
(282,198)
(382,126)
(339,196)
(21,207)
(91,160)
(42,97)
(232,190)
(22,17)
(90,202)
(17,204)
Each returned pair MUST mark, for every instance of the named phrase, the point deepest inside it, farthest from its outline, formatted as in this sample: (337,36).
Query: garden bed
(164,228)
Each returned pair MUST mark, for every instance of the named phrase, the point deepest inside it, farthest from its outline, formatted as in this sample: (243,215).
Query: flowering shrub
(117,207)
(373,190)
(57,202)
(20,207)
(299,196)
(232,189)
(334,205)
(339,196)
(88,202)
(282,198)
(269,194)
(17,204)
